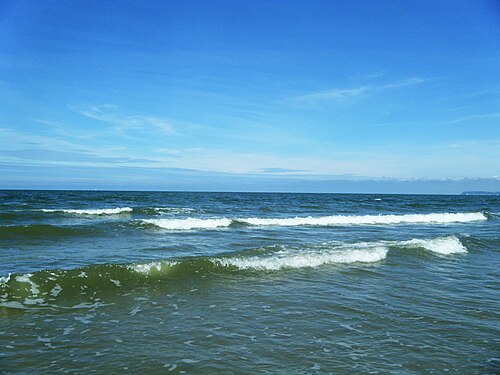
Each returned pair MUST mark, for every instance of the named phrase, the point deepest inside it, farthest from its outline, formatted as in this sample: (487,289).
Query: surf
(91,211)
(337,220)
(45,287)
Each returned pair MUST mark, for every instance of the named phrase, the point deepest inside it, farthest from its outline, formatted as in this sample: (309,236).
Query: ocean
(244,283)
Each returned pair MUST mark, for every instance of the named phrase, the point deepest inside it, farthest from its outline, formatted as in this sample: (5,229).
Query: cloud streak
(41,155)
(477,117)
(108,113)
(353,92)
(280,170)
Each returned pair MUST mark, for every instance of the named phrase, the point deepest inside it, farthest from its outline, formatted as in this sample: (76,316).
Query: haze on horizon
(330,96)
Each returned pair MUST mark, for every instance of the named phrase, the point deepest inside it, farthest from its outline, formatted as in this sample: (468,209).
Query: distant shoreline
(481,193)
(484,193)
(229,191)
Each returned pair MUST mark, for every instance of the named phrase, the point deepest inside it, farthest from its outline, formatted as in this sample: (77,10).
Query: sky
(334,96)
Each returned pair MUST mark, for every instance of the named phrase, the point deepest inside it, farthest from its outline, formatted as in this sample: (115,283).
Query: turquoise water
(154,282)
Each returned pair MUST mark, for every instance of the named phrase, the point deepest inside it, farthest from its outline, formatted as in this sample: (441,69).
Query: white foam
(33,301)
(5,280)
(189,223)
(442,245)
(96,211)
(289,259)
(146,268)
(55,290)
(135,310)
(88,305)
(26,279)
(441,218)
(338,253)
(13,305)
(174,210)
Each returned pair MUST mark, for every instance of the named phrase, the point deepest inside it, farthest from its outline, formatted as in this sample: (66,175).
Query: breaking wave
(46,287)
(443,245)
(289,259)
(189,223)
(175,210)
(441,218)
(95,211)
(338,220)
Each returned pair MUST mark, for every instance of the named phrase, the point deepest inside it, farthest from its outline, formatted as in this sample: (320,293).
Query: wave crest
(94,211)
(442,245)
(45,287)
(189,223)
(441,218)
(302,260)
(339,220)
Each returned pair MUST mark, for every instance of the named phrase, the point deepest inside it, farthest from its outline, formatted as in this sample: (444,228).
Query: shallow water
(245,283)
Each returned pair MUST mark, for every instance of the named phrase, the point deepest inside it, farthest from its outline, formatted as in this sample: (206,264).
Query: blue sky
(259,95)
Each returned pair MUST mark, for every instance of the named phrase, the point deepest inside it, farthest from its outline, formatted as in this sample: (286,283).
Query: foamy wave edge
(302,260)
(437,218)
(189,223)
(441,245)
(309,256)
(441,218)
(340,253)
(40,288)
(96,211)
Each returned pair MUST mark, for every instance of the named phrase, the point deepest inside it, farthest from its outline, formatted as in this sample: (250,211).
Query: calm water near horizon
(214,283)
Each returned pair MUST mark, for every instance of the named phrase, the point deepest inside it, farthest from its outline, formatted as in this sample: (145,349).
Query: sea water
(178,282)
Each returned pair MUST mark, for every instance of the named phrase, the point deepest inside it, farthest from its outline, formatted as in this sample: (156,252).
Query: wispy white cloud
(335,94)
(353,92)
(443,160)
(476,117)
(277,170)
(407,82)
(21,147)
(372,75)
(229,161)
(491,91)
(70,157)
(167,151)
(111,114)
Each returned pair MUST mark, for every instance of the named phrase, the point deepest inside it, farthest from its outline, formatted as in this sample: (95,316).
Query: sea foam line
(441,218)
(338,220)
(39,287)
(304,259)
(441,245)
(189,223)
(338,253)
(96,211)
(175,210)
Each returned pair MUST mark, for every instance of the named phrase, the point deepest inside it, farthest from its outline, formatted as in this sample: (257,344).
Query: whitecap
(189,223)
(95,211)
(302,259)
(174,210)
(146,268)
(6,279)
(440,218)
(441,245)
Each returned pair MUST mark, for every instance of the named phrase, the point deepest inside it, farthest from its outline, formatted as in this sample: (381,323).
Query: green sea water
(223,283)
